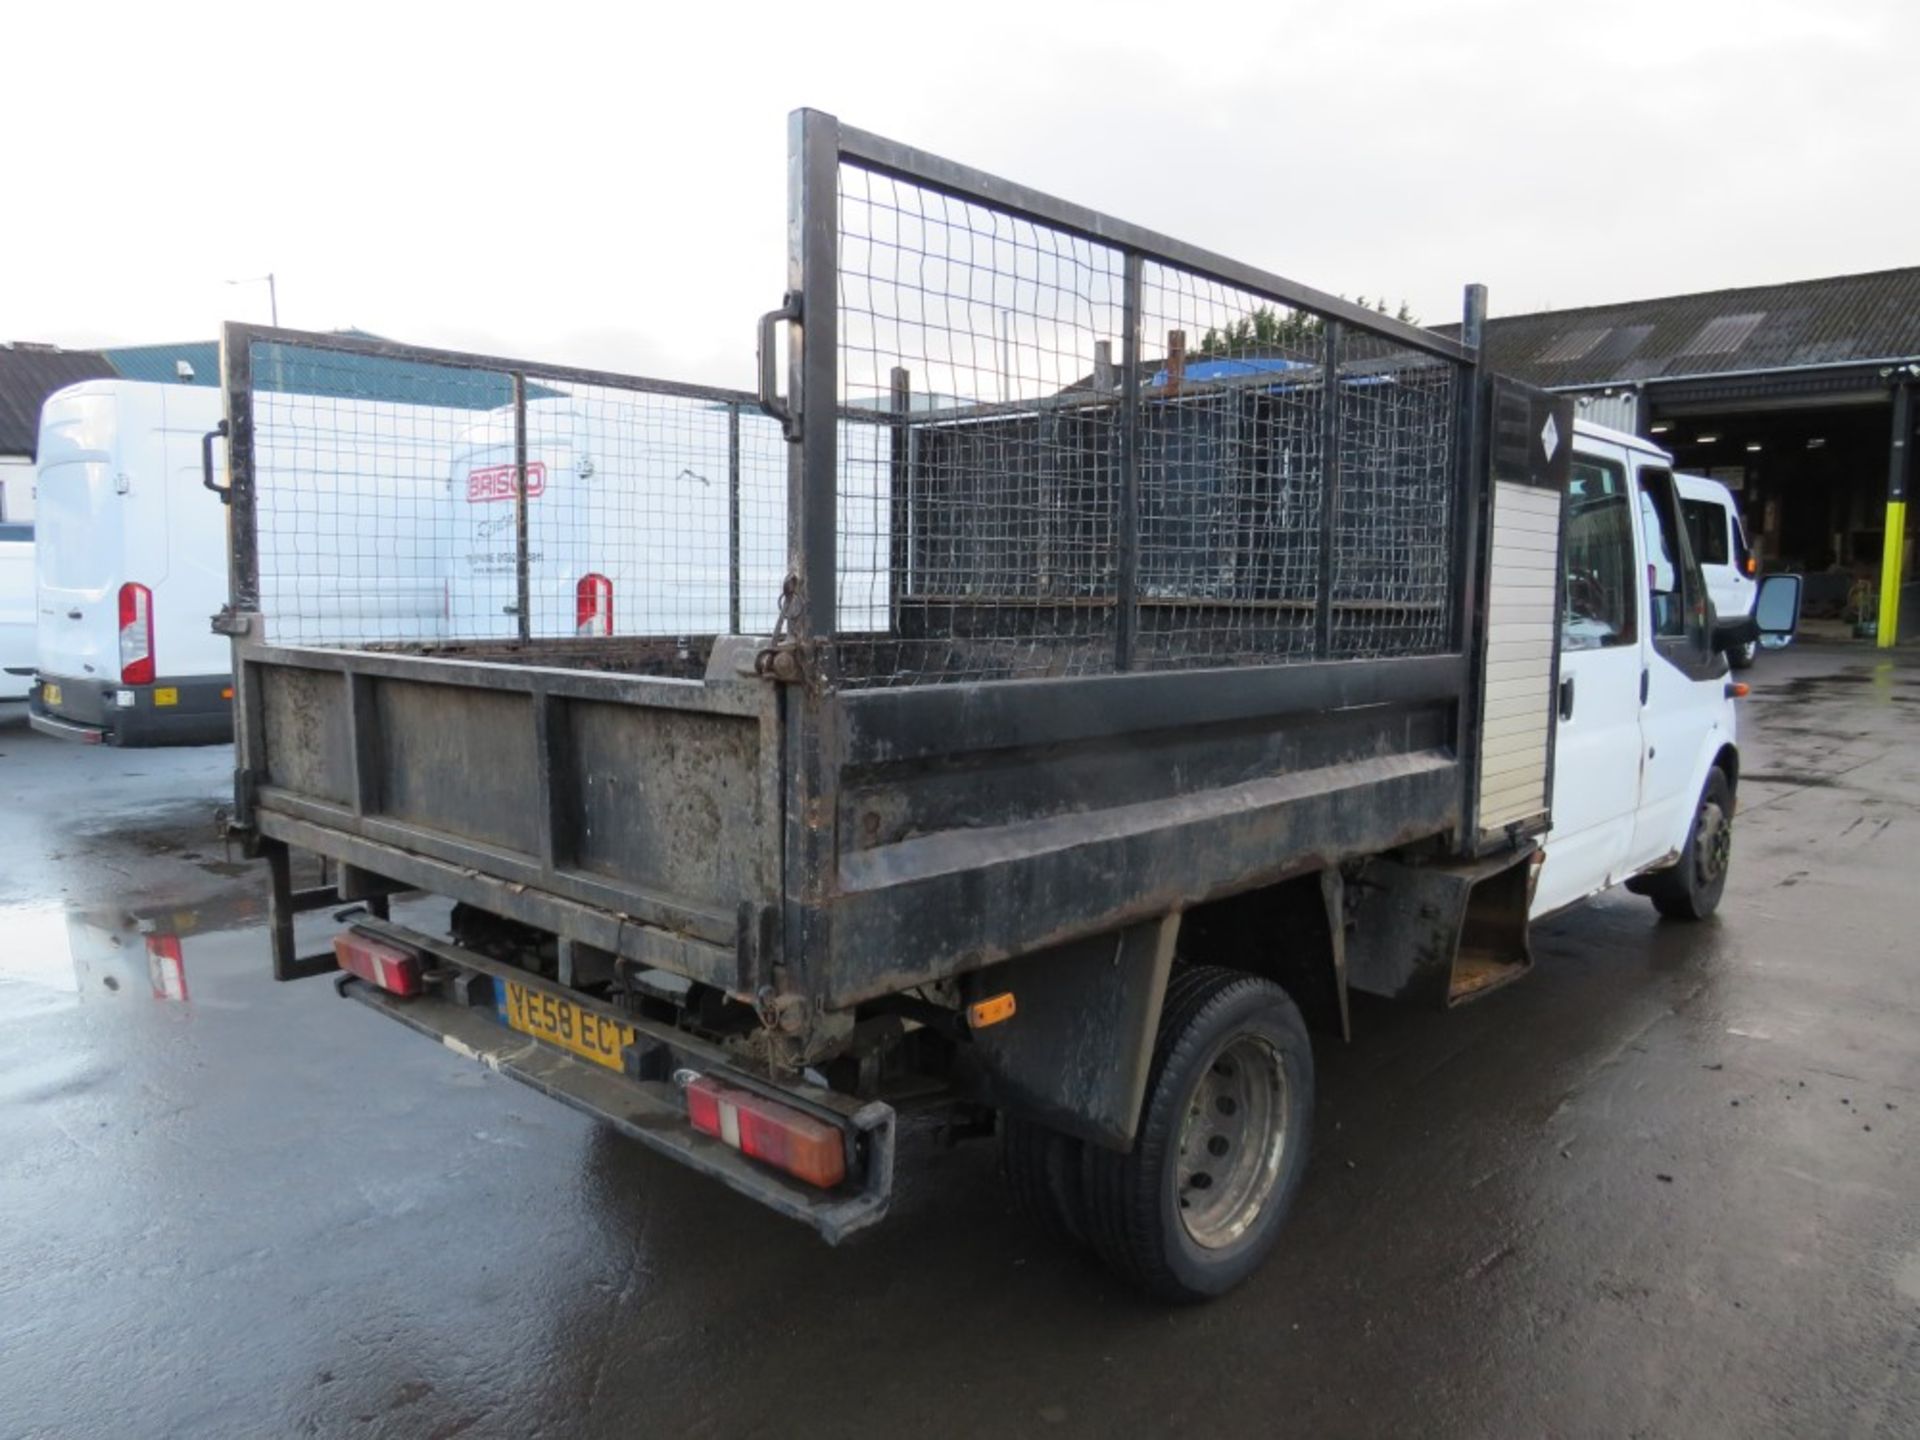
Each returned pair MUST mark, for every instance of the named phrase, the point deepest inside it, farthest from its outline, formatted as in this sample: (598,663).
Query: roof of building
(28,374)
(161,363)
(1760,327)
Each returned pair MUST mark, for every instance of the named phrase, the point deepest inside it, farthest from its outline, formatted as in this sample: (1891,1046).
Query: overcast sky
(604,185)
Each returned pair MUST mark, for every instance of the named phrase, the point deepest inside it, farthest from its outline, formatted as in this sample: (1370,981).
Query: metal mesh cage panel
(388,506)
(977,488)
(1263,485)
(1231,433)
(1393,514)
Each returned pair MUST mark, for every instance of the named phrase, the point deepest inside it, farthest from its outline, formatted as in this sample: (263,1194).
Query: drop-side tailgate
(634,814)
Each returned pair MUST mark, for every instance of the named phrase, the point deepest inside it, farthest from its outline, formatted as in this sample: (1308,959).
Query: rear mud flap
(1439,935)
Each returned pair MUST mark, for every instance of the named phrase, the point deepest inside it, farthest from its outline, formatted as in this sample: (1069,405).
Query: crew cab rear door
(1683,694)
(1596,769)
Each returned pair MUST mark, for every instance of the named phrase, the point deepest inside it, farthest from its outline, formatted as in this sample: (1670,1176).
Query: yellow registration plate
(546,1016)
(49,694)
(166,695)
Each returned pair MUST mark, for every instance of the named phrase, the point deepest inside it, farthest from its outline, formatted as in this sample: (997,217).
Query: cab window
(1706,530)
(1599,557)
(1667,607)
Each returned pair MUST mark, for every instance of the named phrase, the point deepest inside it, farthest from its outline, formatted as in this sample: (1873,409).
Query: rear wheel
(1041,1168)
(1691,890)
(1196,1205)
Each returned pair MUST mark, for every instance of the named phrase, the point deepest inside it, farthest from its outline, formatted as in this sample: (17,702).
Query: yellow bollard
(1890,559)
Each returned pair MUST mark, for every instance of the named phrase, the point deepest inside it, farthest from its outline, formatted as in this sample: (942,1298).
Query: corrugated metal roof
(30,373)
(307,370)
(1763,327)
(161,363)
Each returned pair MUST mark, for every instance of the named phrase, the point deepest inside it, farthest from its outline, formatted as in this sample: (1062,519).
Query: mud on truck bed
(1097,659)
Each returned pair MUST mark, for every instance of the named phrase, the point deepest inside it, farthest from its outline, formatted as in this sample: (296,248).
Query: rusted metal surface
(1076,1055)
(1439,934)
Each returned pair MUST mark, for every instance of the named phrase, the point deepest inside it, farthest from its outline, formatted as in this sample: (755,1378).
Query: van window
(1666,586)
(1706,530)
(15,530)
(1599,557)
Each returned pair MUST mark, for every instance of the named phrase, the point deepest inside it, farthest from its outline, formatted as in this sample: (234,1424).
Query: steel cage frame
(818,144)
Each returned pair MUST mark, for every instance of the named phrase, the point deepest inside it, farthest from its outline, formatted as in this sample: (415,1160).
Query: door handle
(1643,684)
(769,389)
(206,462)
(1566,698)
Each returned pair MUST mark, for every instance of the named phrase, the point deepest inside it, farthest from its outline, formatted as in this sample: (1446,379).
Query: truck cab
(1646,763)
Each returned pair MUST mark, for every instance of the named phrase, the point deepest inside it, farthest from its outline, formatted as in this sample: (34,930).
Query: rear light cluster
(166,968)
(387,966)
(806,1148)
(136,635)
(593,605)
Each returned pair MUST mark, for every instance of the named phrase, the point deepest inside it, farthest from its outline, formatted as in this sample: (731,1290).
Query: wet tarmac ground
(1669,1185)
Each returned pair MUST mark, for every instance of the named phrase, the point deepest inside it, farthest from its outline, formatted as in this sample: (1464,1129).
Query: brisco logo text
(496,482)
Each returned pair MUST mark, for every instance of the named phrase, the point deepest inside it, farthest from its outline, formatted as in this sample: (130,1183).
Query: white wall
(16,487)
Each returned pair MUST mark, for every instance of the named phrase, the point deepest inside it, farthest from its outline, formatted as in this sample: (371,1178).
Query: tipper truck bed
(1102,657)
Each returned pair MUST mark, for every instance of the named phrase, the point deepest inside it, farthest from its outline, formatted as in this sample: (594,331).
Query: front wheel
(1222,1146)
(1691,890)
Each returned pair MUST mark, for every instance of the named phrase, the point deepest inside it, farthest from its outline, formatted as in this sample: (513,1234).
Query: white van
(16,609)
(629,506)
(626,523)
(1645,766)
(1719,542)
(130,565)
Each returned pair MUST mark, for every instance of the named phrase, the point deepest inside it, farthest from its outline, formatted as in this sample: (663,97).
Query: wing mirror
(1776,610)
(1776,615)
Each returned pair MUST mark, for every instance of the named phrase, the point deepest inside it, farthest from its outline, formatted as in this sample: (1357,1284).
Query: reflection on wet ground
(1668,1185)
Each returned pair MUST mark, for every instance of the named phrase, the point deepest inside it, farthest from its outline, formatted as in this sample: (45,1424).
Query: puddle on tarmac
(176,954)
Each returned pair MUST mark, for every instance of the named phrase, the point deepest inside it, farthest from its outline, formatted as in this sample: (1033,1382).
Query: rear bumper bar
(65,729)
(651,1111)
(198,710)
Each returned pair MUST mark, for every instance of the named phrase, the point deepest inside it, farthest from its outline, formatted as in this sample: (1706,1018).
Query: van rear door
(87,508)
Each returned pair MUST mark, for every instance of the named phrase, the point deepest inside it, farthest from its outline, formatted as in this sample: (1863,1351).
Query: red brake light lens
(593,605)
(387,966)
(806,1148)
(136,634)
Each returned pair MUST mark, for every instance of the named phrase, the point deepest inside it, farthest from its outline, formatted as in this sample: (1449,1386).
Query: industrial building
(1800,397)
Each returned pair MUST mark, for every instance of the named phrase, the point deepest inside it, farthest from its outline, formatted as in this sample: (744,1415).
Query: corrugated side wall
(1516,705)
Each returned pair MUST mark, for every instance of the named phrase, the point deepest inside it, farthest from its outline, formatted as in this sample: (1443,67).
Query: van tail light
(806,1148)
(386,966)
(593,605)
(136,635)
(166,968)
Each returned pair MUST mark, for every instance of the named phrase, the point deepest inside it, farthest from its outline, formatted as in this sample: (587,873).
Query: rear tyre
(1741,657)
(1691,890)
(1222,1146)
(1041,1169)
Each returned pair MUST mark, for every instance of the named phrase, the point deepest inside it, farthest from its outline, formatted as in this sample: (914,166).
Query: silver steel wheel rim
(1712,844)
(1231,1142)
